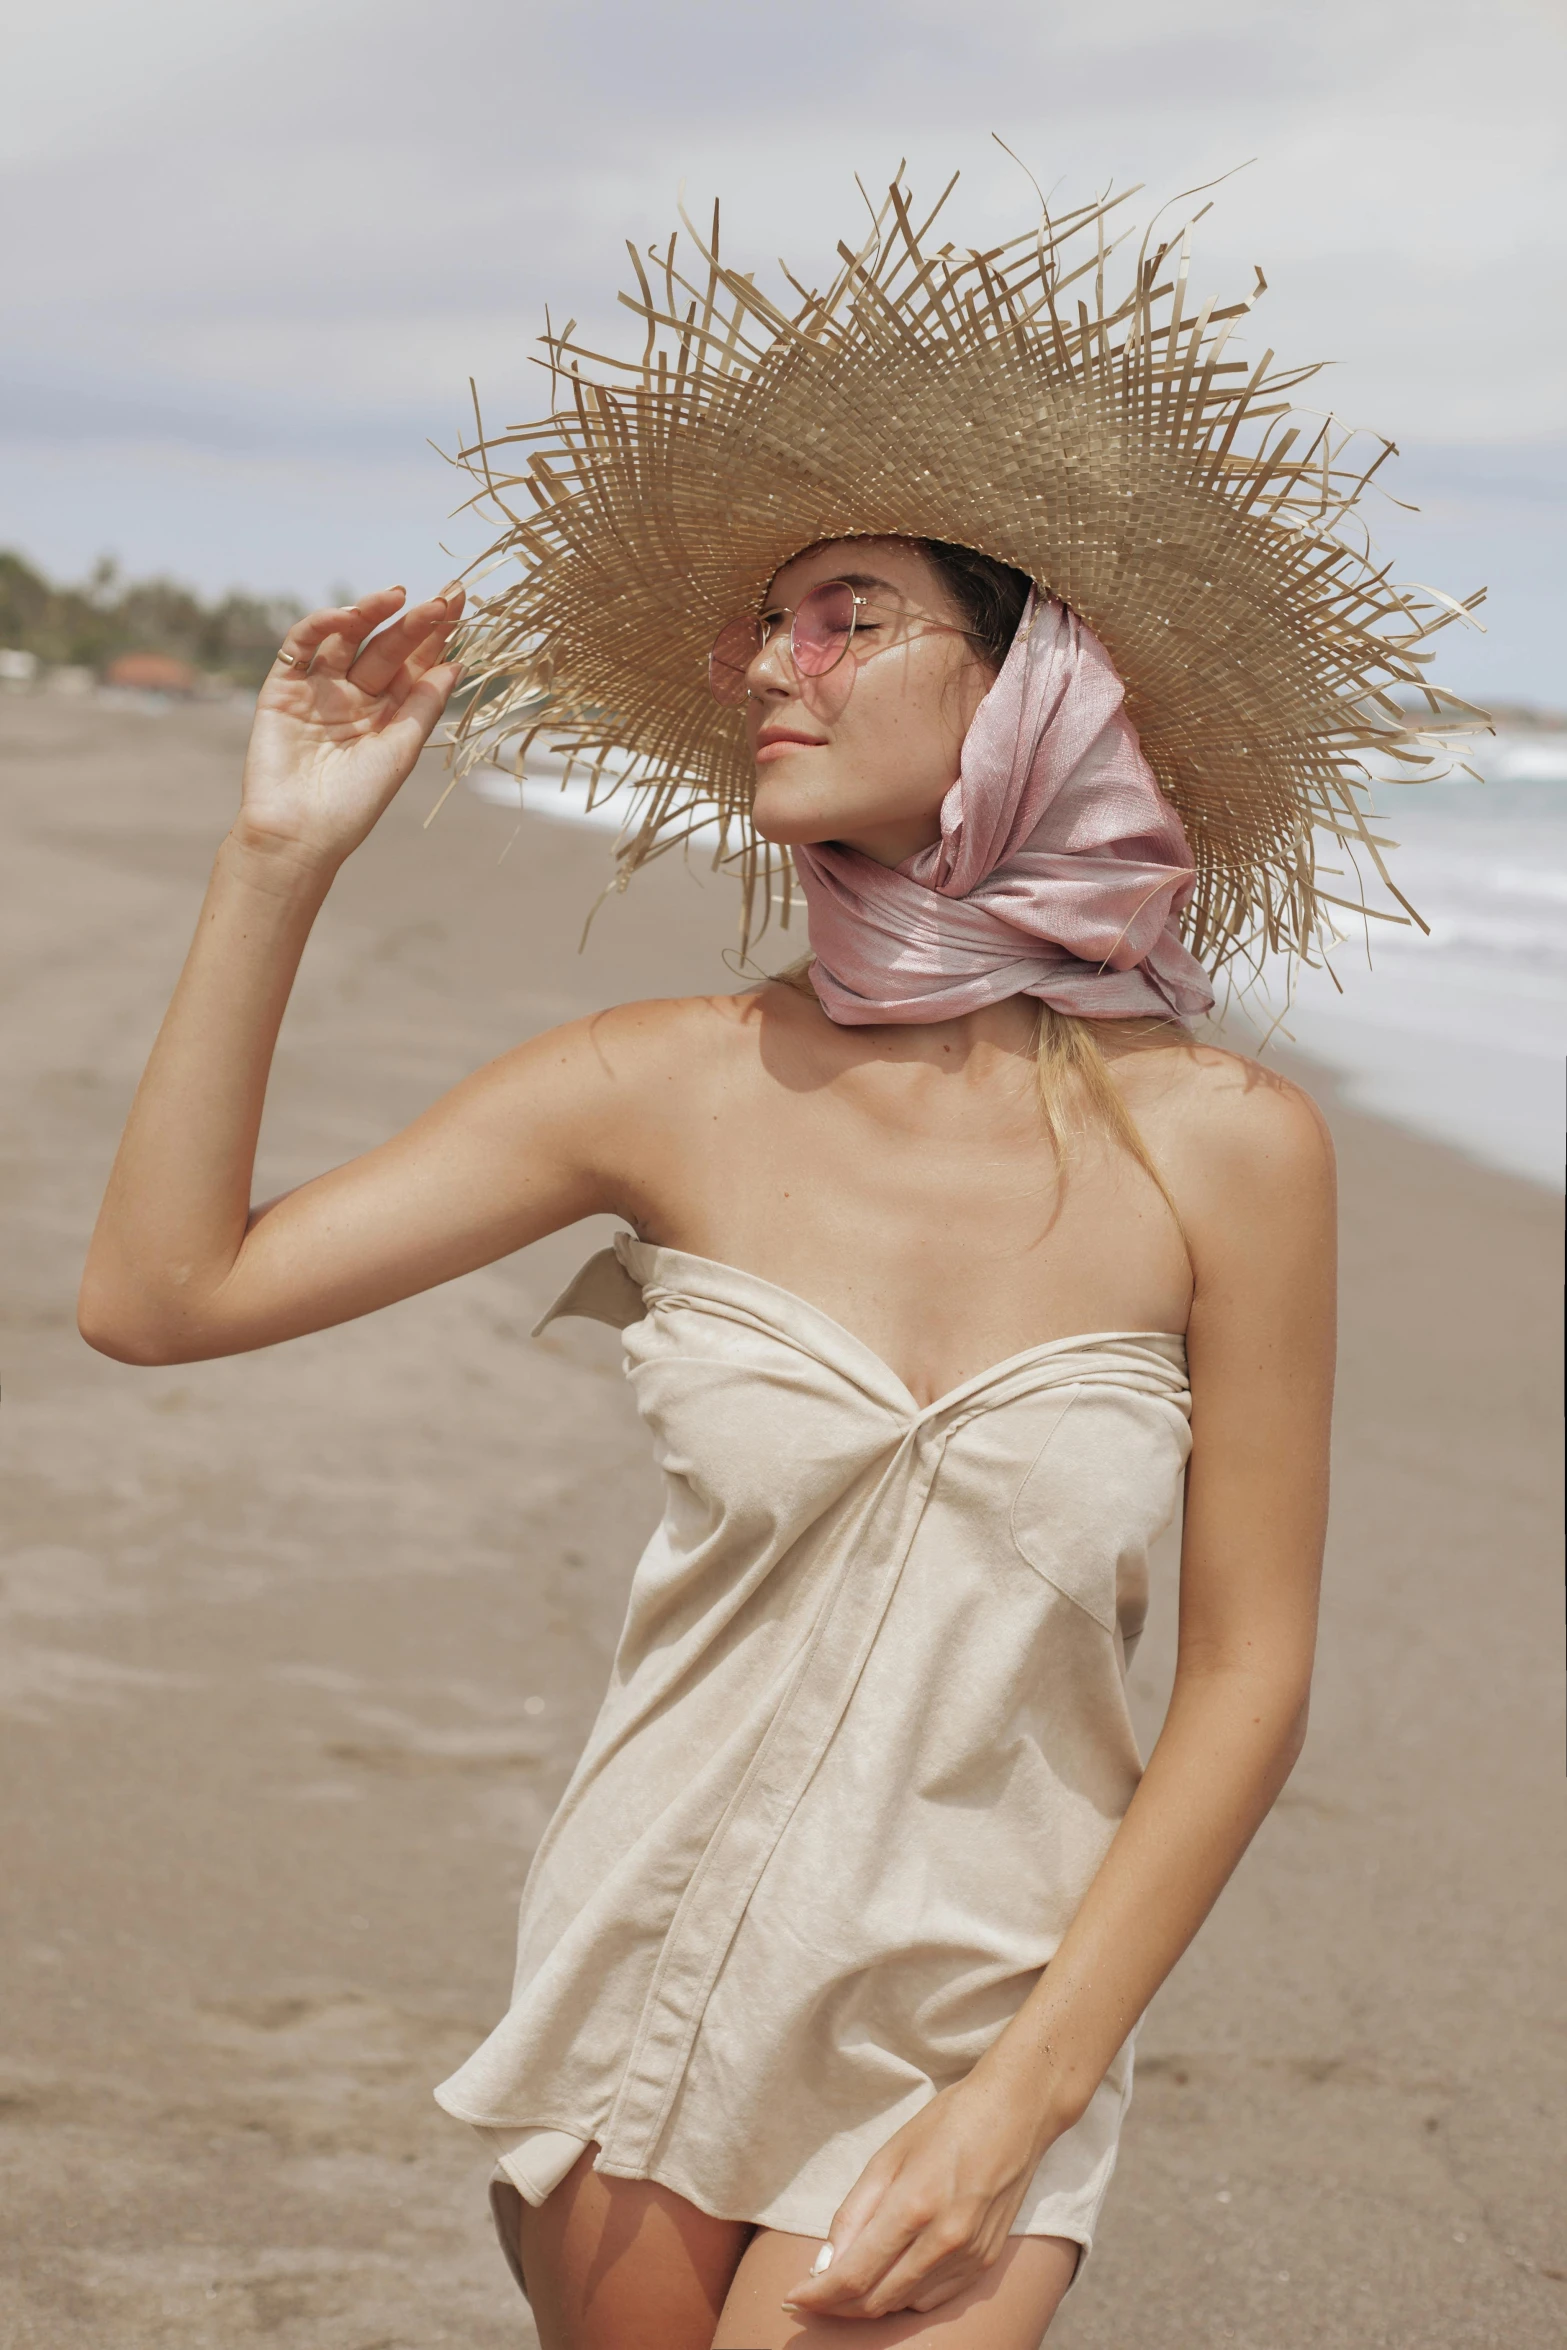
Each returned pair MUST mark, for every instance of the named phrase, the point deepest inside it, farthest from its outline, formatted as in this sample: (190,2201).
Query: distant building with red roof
(151,673)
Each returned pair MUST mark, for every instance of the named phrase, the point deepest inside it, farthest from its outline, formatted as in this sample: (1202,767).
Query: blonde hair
(1070,1061)
(1073,1077)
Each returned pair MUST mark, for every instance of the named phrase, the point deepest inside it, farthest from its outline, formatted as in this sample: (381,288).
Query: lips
(781,739)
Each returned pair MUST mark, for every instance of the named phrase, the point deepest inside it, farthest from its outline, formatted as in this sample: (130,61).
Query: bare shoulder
(658,1037)
(1233,1111)
(1203,1105)
(605,1086)
(1246,1151)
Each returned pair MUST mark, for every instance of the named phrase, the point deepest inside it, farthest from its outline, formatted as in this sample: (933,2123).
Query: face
(866,754)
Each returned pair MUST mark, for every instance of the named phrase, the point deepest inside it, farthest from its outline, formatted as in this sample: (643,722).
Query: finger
(931,2271)
(306,638)
(854,2213)
(923,2278)
(431,655)
(859,2267)
(380,660)
(945,2259)
(936,2296)
(424,658)
(860,2206)
(851,2215)
(421,707)
(350,625)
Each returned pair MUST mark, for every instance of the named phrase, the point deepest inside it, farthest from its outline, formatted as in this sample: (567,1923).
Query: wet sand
(299,1649)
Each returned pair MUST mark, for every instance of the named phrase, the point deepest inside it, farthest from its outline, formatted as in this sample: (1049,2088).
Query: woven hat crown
(1051,402)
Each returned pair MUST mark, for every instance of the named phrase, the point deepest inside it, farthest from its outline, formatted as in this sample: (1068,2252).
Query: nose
(770,670)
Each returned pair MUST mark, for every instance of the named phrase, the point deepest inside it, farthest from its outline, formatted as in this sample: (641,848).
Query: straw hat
(1104,441)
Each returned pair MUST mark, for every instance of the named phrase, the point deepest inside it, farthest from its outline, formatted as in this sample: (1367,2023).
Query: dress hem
(507,2200)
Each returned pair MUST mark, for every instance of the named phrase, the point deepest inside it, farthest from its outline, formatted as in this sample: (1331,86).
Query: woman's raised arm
(180,1266)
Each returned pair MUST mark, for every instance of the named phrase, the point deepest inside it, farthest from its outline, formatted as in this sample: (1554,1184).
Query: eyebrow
(854,579)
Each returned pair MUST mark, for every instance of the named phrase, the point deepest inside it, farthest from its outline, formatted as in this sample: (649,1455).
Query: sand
(299,1649)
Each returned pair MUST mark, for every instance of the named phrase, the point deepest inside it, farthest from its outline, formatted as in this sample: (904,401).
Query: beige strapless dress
(864,1746)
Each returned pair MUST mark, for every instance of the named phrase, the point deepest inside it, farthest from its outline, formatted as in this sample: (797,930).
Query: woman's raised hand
(341,719)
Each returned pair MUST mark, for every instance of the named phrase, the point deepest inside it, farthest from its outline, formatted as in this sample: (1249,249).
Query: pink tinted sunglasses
(821,630)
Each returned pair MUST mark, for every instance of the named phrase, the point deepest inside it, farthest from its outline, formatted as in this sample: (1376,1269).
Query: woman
(952,1254)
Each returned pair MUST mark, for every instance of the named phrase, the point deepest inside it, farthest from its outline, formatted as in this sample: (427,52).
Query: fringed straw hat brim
(1011,401)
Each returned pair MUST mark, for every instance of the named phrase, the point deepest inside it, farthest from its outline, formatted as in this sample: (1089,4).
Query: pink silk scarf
(1059,873)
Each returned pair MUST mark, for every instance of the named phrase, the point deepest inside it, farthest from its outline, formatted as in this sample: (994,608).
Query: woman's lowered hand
(341,719)
(933,2207)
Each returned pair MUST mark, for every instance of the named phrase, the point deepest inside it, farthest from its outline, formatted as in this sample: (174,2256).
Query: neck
(893,844)
(1006,1030)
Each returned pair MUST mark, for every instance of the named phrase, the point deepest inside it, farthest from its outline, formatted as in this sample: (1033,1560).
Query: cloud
(293,234)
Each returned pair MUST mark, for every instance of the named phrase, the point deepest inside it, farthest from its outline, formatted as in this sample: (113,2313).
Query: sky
(254,253)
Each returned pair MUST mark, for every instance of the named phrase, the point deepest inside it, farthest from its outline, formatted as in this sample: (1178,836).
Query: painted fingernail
(822,2261)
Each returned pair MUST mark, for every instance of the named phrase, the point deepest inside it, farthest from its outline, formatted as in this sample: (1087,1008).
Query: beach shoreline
(301,1647)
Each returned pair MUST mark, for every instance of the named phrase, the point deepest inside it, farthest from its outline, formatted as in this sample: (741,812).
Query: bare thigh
(1008,2308)
(616,2262)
